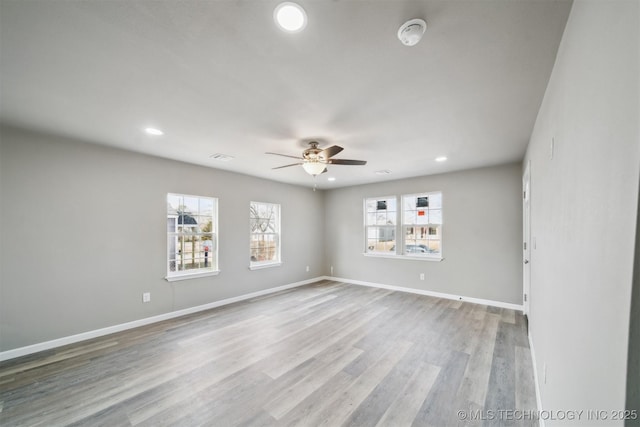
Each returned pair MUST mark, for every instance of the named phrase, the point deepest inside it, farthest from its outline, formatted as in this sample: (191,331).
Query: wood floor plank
(403,410)
(437,409)
(476,377)
(321,354)
(338,411)
(283,402)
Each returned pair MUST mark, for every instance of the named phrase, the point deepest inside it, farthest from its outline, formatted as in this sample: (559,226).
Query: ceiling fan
(314,160)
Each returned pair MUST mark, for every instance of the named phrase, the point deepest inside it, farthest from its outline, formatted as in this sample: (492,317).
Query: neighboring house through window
(418,221)
(381,214)
(192,227)
(264,220)
(422,224)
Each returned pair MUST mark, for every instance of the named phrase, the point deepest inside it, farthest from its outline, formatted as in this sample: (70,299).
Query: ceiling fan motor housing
(312,152)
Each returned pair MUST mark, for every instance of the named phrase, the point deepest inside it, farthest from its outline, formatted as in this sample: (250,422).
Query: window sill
(266,265)
(416,258)
(188,276)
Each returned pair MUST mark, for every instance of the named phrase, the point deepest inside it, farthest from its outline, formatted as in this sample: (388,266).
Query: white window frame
(401,225)
(175,235)
(369,249)
(277,233)
(406,224)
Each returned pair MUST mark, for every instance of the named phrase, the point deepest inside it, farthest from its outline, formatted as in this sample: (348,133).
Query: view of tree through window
(191,234)
(264,219)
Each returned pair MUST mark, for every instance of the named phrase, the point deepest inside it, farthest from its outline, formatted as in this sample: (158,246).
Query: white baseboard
(517,307)
(59,342)
(535,381)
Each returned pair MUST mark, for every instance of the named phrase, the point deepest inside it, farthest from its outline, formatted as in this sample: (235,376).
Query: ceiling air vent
(221,157)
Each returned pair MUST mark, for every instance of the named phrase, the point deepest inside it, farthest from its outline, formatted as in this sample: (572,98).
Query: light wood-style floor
(324,354)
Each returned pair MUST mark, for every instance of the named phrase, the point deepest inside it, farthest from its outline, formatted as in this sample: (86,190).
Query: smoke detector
(411,31)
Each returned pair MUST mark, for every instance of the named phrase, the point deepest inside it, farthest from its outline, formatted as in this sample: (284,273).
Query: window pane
(173,202)
(410,217)
(409,203)
(422,216)
(387,218)
(264,247)
(435,216)
(381,239)
(206,207)
(435,201)
(391,204)
(191,205)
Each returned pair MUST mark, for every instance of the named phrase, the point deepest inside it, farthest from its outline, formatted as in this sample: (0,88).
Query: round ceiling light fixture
(290,17)
(411,31)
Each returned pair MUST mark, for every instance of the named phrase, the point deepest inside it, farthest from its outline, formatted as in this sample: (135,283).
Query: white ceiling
(220,77)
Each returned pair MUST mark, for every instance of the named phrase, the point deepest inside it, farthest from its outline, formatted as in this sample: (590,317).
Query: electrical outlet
(146,297)
(307,268)
(421,276)
(332,270)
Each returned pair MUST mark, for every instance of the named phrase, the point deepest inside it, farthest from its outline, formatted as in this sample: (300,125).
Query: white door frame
(526,238)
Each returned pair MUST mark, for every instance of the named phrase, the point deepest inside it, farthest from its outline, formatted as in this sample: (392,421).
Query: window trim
(394,226)
(200,272)
(404,225)
(399,227)
(259,265)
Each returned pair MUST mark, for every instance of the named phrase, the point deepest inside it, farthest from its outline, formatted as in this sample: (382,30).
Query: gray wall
(84,234)
(584,202)
(482,233)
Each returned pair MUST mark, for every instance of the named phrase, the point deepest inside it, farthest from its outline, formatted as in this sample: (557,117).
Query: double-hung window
(192,241)
(381,220)
(422,224)
(415,218)
(264,220)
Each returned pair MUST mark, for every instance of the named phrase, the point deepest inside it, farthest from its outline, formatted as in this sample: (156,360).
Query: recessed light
(154,131)
(331,178)
(290,17)
(441,159)
(383,172)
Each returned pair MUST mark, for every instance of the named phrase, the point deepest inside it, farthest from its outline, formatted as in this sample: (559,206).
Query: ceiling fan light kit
(314,160)
(314,168)
(411,31)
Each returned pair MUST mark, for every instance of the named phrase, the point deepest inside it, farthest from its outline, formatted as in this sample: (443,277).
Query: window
(418,221)
(422,224)
(192,246)
(381,214)
(264,219)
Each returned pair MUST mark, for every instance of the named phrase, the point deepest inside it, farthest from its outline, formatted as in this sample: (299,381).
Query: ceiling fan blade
(285,155)
(286,166)
(346,162)
(330,151)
